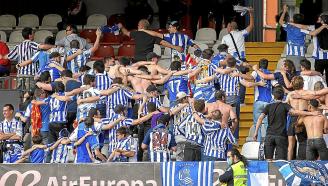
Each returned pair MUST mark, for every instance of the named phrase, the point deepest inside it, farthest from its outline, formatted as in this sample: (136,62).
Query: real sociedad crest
(185,177)
(312,171)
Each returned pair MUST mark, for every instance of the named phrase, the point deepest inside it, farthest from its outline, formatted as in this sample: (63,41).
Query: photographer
(11,132)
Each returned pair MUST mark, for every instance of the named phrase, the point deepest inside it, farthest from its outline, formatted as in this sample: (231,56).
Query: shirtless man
(152,64)
(315,127)
(225,109)
(297,104)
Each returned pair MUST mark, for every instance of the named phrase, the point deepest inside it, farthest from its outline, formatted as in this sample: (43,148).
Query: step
(278,51)
(250,91)
(246,116)
(247,108)
(245,124)
(265,44)
(257,57)
(243,132)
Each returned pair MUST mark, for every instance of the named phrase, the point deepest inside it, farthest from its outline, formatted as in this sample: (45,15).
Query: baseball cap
(174,23)
(151,55)
(181,95)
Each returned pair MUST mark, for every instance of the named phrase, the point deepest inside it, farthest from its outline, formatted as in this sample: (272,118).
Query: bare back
(138,84)
(224,109)
(314,126)
(298,104)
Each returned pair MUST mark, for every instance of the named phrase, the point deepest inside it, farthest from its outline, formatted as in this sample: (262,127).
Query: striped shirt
(216,139)
(24,52)
(151,100)
(81,60)
(239,37)
(229,84)
(58,109)
(112,132)
(179,117)
(193,130)
(13,126)
(179,39)
(159,141)
(126,144)
(120,97)
(175,85)
(208,70)
(83,109)
(295,40)
(103,81)
(59,154)
(318,53)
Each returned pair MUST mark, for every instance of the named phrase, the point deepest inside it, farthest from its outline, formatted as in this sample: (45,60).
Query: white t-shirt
(239,37)
(309,82)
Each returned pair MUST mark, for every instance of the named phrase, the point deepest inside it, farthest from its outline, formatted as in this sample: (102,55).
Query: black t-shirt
(144,44)
(277,118)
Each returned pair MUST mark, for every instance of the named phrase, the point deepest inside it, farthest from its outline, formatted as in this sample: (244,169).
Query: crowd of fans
(114,111)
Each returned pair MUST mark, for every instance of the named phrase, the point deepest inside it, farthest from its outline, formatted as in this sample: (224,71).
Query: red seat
(126,50)
(162,31)
(112,39)
(103,51)
(89,34)
(188,32)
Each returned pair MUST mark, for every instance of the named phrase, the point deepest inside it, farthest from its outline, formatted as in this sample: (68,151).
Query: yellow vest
(239,174)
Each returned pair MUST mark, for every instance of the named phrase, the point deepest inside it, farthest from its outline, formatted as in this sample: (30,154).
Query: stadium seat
(7,22)
(89,34)
(309,50)
(60,35)
(202,46)
(50,21)
(16,37)
(95,20)
(3,36)
(157,49)
(206,35)
(116,18)
(103,51)
(222,33)
(167,53)
(251,150)
(28,20)
(126,50)
(112,39)
(251,132)
(41,35)
(215,48)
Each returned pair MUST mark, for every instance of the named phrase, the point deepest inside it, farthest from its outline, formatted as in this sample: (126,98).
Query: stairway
(256,51)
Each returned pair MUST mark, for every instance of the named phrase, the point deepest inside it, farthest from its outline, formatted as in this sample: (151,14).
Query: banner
(109,174)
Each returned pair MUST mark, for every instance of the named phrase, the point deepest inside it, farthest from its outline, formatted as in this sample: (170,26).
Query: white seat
(16,37)
(60,35)
(251,150)
(215,48)
(251,132)
(7,22)
(222,33)
(157,49)
(50,21)
(28,20)
(96,20)
(41,35)
(202,47)
(206,35)
(309,50)
(3,36)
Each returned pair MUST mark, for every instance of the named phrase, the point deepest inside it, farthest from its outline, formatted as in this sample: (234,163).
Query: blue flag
(187,173)
(304,172)
(258,173)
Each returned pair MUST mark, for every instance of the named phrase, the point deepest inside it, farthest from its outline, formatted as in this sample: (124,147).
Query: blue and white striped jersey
(79,61)
(159,141)
(295,40)
(13,126)
(216,139)
(179,39)
(125,144)
(179,118)
(120,97)
(208,70)
(230,85)
(83,109)
(59,154)
(112,132)
(193,130)
(24,52)
(103,81)
(151,100)
(58,109)
(175,85)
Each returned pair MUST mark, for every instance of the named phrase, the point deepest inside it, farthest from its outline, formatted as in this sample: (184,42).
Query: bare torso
(298,104)
(314,126)
(224,109)
(139,85)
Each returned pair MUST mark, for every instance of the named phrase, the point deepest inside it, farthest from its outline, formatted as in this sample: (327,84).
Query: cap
(151,55)
(174,23)
(181,95)
(151,88)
